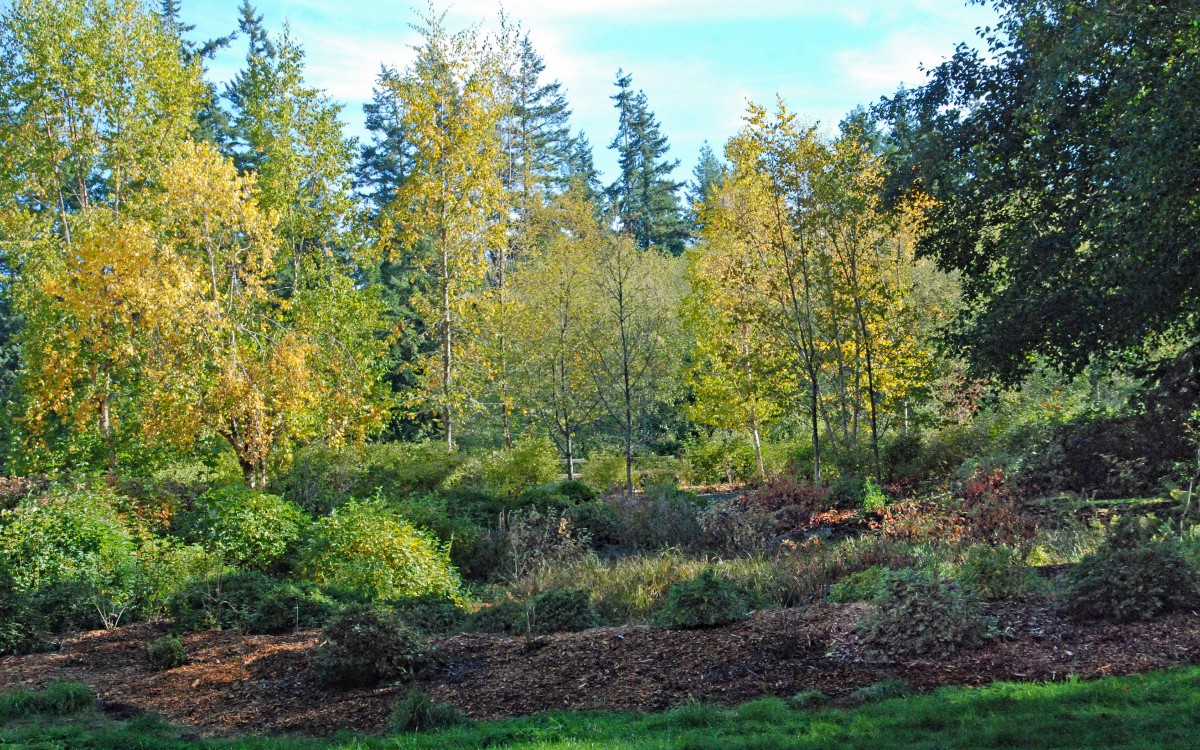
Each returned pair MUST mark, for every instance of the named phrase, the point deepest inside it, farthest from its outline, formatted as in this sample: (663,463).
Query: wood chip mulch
(239,683)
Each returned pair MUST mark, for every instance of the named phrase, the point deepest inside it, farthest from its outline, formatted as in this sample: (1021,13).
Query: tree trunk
(758,457)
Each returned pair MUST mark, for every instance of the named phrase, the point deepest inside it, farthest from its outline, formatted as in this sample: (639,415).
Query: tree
(644,197)
(1062,163)
(636,346)
(554,319)
(290,136)
(707,177)
(449,206)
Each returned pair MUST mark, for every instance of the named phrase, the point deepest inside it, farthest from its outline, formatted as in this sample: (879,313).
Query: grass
(1159,710)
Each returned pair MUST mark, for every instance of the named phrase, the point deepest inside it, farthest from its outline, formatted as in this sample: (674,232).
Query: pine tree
(581,169)
(707,177)
(387,157)
(644,196)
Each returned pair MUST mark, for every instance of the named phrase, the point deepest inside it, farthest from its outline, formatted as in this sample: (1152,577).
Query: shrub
(598,521)
(575,491)
(529,463)
(920,614)
(23,629)
(807,699)
(723,458)
(365,547)
(892,687)
(704,601)
(165,653)
(284,607)
(1134,575)
(604,471)
(68,606)
(221,602)
(560,610)
(249,529)
(730,530)
(365,645)
(167,567)
(417,712)
(320,478)
(72,533)
(787,491)
(862,586)
(873,496)
(502,618)
(995,573)
(533,539)
(432,614)
(398,469)
(663,519)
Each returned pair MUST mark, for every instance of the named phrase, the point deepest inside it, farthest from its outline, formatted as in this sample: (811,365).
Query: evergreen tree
(387,156)
(211,120)
(581,168)
(707,177)
(644,195)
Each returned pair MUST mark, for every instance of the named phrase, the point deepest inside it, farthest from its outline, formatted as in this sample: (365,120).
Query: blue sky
(699,61)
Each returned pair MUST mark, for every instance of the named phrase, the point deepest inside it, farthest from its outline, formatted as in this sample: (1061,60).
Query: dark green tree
(581,168)
(644,196)
(1064,161)
(707,176)
(211,120)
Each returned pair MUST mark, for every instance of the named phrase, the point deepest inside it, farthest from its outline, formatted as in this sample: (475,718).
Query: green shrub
(72,533)
(662,519)
(560,610)
(320,478)
(285,606)
(996,573)
(223,602)
(530,462)
(598,521)
(704,601)
(807,699)
(603,471)
(165,653)
(249,529)
(365,547)
(731,530)
(575,491)
(365,645)
(502,618)
(432,614)
(23,627)
(722,458)
(416,712)
(167,567)
(399,469)
(68,606)
(873,496)
(1134,575)
(862,586)
(920,614)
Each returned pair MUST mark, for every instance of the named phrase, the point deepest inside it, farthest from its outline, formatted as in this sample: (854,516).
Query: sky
(699,61)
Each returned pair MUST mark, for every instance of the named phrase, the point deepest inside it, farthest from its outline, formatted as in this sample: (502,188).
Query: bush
(530,462)
(432,614)
(892,687)
(730,530)
(165,653)
(862,586)
(68,606)
(285,607)
(663,519)
(73,533)
(398,469)
(502,618)
(575,491)
(604,471)
(598,521)
(365,645)
(560,610)
(320,478)
(367,548)
(807,699)
(417,712)
(23,629)
(249,529)
(222,602)
(532,539)
(168,567)
(704,601)
(723,458)
(996,573)
(919,614)
(1134,575)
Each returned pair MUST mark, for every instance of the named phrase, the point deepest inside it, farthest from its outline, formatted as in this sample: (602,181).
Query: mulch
(238,683)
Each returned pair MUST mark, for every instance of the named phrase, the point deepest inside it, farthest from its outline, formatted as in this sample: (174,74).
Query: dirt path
(238,683)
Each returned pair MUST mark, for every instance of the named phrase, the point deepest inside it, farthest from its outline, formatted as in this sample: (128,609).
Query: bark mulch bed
(239,683)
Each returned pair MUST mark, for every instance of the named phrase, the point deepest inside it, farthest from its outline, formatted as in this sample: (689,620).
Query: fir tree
(707,177)
(644,195)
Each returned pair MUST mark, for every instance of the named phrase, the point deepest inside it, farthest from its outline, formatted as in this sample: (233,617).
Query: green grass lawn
(1160,710)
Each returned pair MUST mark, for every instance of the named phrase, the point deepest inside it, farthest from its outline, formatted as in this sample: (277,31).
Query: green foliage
(285,606)
(249,529)
(1136,574)
(222,602)
(417,712)
(873,496)
(598,521)
(860,586)
(576,491)
(719,459)
(68,606)
(432,614)
(705,601)
(995,573)
(505,617)
(366,645)
(23,628)
(531,462)
(167,567)
(603,471)
(807,699)
(365,547)
(559,611)
(920,614)
(165,653)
